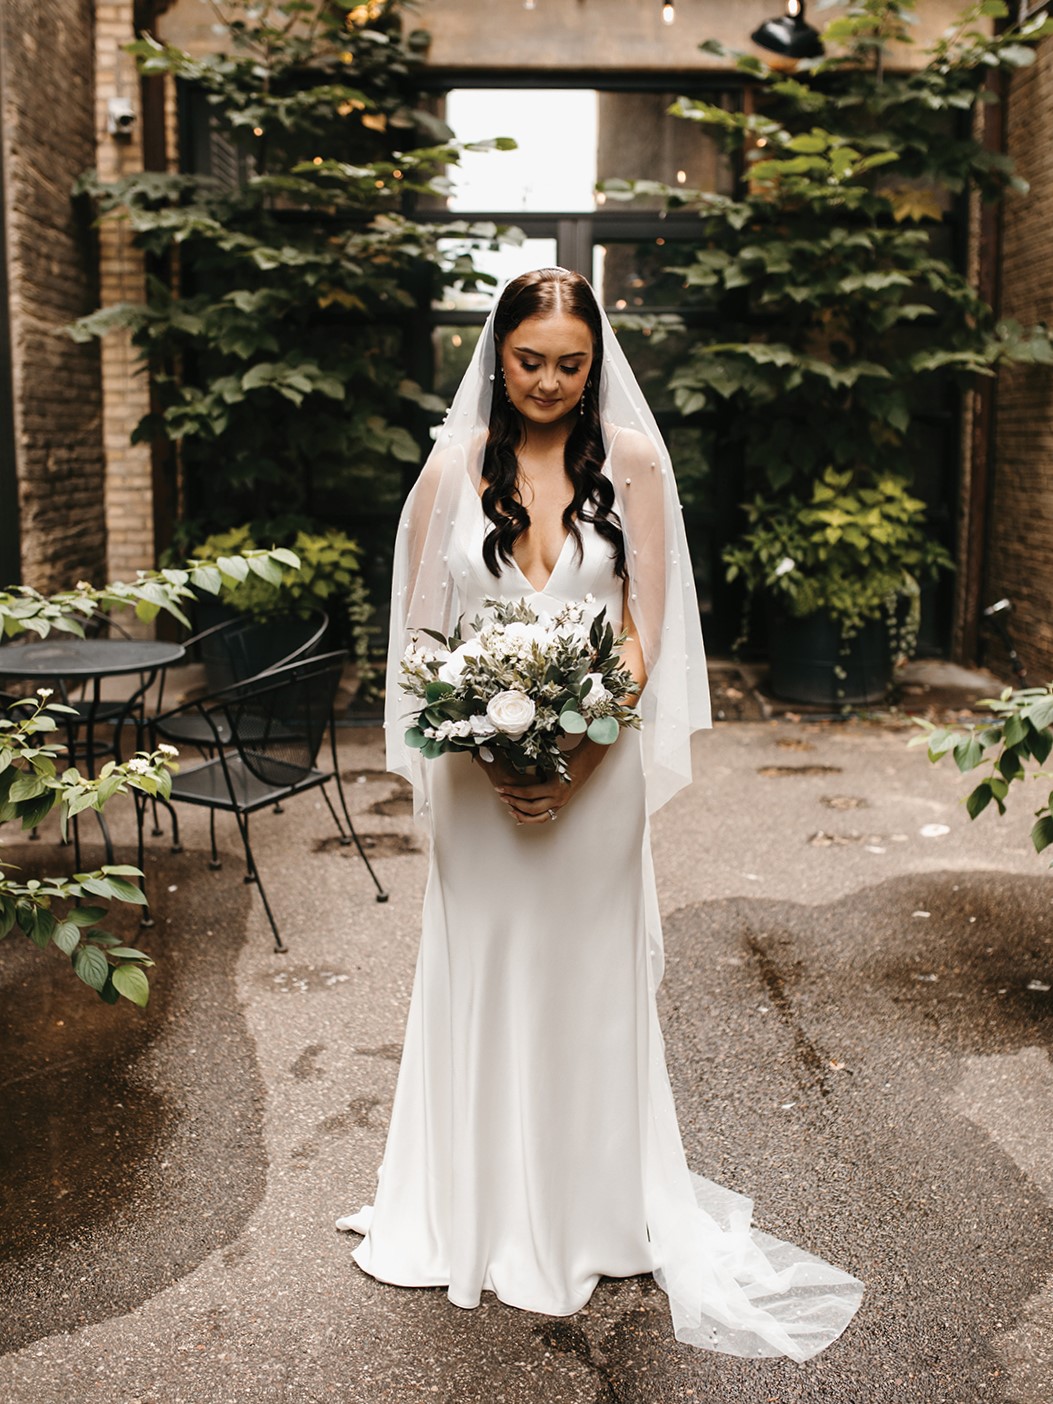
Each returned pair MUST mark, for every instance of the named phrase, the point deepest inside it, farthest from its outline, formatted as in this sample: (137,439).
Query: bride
(533,1145)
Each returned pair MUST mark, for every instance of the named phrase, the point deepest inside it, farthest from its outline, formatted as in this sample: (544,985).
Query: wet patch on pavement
(845,1057)
(782,772)
(124,1130)
(376,845)
(394,807)
(842,802)
(391,1051)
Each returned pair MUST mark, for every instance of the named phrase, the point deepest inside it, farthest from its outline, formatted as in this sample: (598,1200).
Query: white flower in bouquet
(451,670)
(481,726)
(597,693)
(515,642)
(511,713)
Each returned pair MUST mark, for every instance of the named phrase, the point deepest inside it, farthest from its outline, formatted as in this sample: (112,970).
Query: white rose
(511,713)
(481,726)
(527,634)
(597,693)
(451,670)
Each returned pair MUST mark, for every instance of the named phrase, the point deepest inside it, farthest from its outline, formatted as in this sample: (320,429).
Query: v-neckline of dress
(551,575)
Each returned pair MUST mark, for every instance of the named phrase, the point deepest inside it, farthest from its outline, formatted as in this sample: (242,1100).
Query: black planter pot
(810,662)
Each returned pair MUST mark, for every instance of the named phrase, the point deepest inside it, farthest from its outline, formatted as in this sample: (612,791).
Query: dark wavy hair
(543,293)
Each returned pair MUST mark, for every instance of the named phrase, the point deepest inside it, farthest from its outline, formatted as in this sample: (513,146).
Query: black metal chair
(267,733)
(232,652)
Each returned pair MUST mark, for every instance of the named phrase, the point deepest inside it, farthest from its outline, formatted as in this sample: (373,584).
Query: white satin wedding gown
(533,1145)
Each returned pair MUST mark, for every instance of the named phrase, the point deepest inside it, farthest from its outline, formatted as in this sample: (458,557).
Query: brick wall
(1019,556)
(47,127)
(129,485)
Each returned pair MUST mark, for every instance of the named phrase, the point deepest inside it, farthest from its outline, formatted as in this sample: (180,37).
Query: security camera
(120,118)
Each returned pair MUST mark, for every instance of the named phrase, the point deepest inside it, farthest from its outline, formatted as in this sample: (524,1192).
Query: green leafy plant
(278,303)
(1015,744)
(52,910)
(854,552)
(25,610)
(328,575)
(32,785)
(843,315)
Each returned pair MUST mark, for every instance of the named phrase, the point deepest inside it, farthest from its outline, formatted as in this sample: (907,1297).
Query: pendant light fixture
(668,12)
(787,38)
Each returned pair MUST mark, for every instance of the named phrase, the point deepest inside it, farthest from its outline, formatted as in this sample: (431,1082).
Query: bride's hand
(534,801)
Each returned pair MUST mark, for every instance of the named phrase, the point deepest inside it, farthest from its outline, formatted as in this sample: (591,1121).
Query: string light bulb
(668,12)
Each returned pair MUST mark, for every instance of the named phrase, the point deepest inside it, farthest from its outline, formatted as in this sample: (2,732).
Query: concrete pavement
(858,1022)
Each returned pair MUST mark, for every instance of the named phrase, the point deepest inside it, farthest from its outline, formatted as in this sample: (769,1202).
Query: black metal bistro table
(65,660)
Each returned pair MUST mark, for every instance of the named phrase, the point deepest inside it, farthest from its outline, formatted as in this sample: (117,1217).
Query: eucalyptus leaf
(603,730)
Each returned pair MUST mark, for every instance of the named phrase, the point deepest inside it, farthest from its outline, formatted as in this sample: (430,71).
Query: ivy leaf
(978,801)
(91,966)
(1015,730)
(66,936)
(1042,833)
(968,754)
(86,916)
(132,983)
(127,891)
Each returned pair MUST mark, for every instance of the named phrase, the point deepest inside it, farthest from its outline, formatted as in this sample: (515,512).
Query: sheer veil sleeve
(675,700)
(662,599)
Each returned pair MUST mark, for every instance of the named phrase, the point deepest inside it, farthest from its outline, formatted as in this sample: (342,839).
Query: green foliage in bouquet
(1016,745)
(518,684)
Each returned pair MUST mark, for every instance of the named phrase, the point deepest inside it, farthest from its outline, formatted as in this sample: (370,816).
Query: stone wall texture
(1019,554)
(47,125)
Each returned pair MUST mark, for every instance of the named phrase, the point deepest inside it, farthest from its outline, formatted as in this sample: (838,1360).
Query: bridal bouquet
(522,685)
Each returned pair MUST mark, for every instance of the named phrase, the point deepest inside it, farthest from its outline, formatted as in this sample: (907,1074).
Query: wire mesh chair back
(251,646)
(278,720)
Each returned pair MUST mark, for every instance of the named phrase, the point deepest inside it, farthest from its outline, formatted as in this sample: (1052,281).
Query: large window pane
(631,275)
(638,140)
(453,347)
(505,262)
(554,166)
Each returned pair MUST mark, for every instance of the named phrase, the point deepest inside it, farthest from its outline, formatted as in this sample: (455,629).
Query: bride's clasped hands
(538,799)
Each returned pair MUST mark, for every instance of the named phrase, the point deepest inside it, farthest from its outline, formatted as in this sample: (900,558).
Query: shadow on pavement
(132,1141)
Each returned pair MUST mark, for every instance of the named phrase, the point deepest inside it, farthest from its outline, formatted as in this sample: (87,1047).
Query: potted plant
(841,574)
(329,577)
